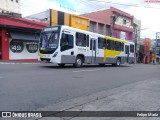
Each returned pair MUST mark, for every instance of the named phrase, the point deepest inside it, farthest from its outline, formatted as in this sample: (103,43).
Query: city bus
(66,45)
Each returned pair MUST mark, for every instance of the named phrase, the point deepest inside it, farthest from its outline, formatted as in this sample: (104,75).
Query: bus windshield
(49,40)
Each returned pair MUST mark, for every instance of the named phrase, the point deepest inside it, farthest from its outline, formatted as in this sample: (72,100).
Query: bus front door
(93,50)
(127,53)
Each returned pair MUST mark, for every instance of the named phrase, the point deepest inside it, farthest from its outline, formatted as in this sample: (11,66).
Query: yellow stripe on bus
(110,53)
(105,55)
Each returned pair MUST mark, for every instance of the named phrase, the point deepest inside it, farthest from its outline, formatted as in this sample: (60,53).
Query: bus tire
(118,62)
(61,65)
(78,62)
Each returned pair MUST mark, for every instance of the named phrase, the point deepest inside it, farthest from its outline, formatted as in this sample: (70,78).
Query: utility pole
(136,41)
(157,46)
(136,54)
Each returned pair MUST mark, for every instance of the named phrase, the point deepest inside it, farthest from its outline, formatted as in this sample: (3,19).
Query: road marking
(87,70)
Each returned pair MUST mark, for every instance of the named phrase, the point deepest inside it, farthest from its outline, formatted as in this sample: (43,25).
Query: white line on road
(87,70)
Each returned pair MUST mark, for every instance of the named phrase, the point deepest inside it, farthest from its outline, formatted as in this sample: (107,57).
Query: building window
(81,39)
(124,22)
(92,26)
(100,28)
(16,1)
(108,30)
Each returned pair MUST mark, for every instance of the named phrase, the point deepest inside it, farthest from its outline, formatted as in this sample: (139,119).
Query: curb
(13,63)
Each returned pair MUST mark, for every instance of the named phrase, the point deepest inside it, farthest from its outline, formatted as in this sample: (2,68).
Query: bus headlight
(55,54)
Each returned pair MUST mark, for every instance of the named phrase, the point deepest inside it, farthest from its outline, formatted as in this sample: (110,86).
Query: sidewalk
(139,96)
(19,62)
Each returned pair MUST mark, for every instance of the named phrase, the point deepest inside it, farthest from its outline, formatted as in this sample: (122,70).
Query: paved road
(34,86)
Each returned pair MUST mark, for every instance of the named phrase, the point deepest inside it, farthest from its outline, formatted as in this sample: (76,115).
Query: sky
(148,13)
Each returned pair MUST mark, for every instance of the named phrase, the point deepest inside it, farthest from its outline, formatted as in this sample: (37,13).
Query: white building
(10,6)
(137,33)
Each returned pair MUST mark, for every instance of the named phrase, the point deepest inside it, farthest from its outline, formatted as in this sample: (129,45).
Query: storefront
(19,38)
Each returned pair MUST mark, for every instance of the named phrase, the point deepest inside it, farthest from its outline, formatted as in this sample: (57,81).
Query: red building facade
(147,44)
(121,23)
(17,38)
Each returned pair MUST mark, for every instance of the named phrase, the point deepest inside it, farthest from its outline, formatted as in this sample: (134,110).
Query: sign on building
(123,35)
(158,35)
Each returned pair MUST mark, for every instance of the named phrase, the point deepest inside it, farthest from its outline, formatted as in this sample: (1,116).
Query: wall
(102,16)
(4,43)
(118,28)
(42,17)
(11,6)
(24,55)
(120,21)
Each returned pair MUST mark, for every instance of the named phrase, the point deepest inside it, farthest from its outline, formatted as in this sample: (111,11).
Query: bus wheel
(118,62)
(78,62)
(61,65)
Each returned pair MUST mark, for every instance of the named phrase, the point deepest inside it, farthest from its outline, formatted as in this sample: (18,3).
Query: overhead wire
(87,3)
(36,5)
(117,3)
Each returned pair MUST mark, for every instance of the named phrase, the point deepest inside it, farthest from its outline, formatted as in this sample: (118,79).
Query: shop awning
(25,36)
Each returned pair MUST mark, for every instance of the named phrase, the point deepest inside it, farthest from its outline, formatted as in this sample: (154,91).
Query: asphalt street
(25,87)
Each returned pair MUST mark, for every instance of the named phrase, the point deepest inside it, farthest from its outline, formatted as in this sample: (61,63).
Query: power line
(134,5)
(82,2)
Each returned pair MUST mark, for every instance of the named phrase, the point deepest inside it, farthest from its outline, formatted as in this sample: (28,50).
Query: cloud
(149,16)
(149,19)
(29,7)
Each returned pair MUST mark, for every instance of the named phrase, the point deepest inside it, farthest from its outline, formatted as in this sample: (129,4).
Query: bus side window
(101,43)
(81,39)
(66,42)
(112,45)
(117,46)
(109,44)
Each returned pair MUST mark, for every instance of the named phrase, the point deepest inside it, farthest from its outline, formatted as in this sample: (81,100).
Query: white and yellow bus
(66,45)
